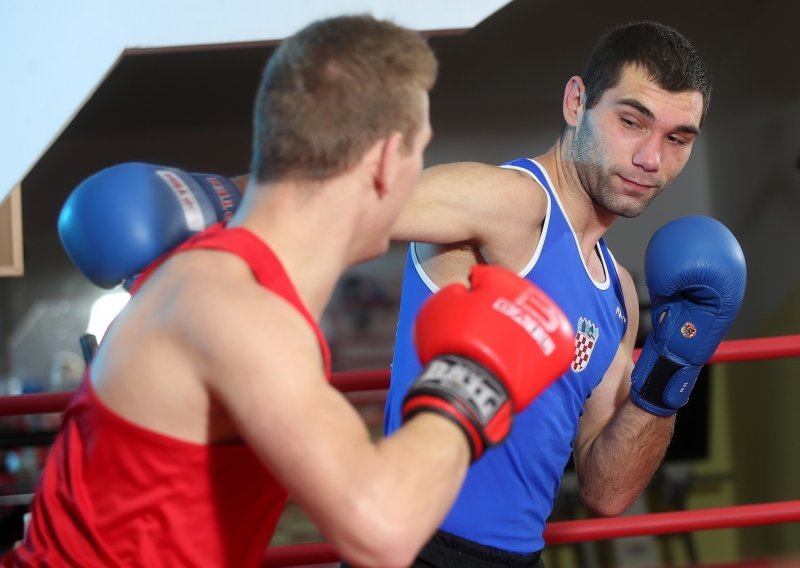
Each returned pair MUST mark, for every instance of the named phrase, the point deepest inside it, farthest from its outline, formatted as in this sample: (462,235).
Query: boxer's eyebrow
(638,105)
(648,114)
(687,129)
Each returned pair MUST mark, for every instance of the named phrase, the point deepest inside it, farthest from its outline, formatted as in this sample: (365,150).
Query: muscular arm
(474,211)
(463,201)
(619,446)
(450,204)
(378,503)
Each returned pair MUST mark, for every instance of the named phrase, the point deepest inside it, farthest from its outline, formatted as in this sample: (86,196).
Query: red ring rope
(33,403)
(728,351)
(567,532)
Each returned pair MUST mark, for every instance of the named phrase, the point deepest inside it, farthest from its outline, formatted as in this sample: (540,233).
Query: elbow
(605,494)
(607,502)
(383,558)
(364,539)
(607,507)
(373,548)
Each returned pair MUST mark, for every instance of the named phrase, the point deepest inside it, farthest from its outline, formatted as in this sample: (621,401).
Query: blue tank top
(508,494)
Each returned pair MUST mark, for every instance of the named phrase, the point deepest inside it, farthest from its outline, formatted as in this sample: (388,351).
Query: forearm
(396,494)
(425,463)
(620,462)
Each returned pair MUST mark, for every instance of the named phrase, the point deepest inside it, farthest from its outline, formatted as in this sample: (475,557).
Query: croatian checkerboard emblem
(585,340)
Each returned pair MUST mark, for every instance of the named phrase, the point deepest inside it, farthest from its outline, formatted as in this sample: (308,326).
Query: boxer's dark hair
(669,59)
(332,90)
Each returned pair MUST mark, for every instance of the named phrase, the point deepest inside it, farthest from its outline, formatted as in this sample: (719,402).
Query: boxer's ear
(388,161)
(574,100)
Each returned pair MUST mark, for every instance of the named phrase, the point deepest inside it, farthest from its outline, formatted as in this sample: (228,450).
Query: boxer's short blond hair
(332,90)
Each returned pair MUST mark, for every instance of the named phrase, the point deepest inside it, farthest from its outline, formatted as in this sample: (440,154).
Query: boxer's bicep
(458,202)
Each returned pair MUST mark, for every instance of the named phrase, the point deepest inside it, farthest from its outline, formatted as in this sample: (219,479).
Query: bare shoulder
(628,290)
(261,363)
(238,327)
(625,279)
(201,327)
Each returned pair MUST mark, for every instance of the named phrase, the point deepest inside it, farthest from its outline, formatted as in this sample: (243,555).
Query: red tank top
(115,494)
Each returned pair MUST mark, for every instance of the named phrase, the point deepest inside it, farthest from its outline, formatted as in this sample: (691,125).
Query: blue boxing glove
(119,220)
(695,272)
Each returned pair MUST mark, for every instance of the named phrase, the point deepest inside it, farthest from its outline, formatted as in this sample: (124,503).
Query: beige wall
(11,249)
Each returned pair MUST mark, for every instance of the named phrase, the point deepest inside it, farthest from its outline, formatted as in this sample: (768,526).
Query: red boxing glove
(489,350)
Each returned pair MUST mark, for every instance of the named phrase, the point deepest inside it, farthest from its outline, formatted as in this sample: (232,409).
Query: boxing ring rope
(727,352)
(563,532)
(568,532)
(19,404)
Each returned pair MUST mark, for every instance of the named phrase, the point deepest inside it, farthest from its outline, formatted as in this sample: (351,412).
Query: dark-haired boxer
(208,403)
(631,120)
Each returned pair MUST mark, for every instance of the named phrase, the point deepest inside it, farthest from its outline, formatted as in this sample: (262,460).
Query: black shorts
(446,550)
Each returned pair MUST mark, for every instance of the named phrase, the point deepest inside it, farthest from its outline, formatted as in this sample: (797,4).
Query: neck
(310,229)
(589,221)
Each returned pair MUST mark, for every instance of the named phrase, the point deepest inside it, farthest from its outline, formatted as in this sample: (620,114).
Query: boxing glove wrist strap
(466,393)
(661,384)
